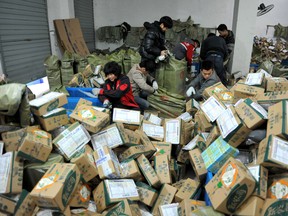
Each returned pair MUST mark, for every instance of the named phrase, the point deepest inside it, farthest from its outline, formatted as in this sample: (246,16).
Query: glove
(155,85)
(106,103)
(190,91)
(96,91)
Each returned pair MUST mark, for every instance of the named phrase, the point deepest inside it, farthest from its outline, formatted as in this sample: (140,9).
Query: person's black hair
(167,21)
(222,27)
(112,68)
(149,65)
(197,41)
(207,65)
(211,34)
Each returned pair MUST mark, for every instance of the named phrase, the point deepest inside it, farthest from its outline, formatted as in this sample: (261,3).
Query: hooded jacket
(153,42)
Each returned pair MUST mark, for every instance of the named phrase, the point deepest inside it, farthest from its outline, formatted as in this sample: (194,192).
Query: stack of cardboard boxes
(129,164)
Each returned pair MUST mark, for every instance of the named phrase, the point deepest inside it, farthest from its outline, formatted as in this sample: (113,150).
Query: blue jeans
(218,66)
(141,100)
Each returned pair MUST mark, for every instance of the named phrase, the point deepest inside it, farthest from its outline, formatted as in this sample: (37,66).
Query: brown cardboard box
(134,138)
(56,187)
(277,120)
(213,135)
(186,117)
(107,163)
(122,208)
(54,119)
(212,108)
(163,148)
(230,186)
(260,174)
(192,106)
(202,123)
(232,129)
(112,136)
(241,90)
(277,185)
(81,196)
(176,131)
(255,79)
(251,207)
(169,209)
(25,204)
(7,204)
(147,143)
(152,118)
(174,170)
(186,132)
(91,118)
(71,140)
(147,194)
(226,97)
(70,36)
(11,173)
(134,152)
(155,132)
(197,141)
(187,190)
(218,87)
(161,165)
(273,207)
(251,113)
(130,118)
(166,196)
(276,84)
(130,169)
(85,161)
(273,151)
(270,98)
(189,205)
(148,171)
(35,146)
(109,192)
(197,163)
(47,103)
(12,139)
(183,156)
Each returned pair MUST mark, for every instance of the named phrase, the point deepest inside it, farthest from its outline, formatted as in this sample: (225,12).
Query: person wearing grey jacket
(206,78)
(142,83)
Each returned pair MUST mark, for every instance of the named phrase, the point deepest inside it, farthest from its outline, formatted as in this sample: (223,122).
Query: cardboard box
(12,139)
(161,165)
(85,161)
(7,204)
(91,118)
(212,108)
(251,113)
(54,119)
(133,152)
(11,173)
(70,36)
(47,103)
(186,132)
(25,204)
(232,129)
(130,118)
(277,120)
(148,171)
(201,122)
(277,185)
(252,206)
(255,79)
(154,119)
(169,209)
(230,187)
(166,196)
(260,174)
(107,163)
(112,136)
(269,98)
(134,138)
(174,170)
(153,131)
(275,207)
(217,154)
(273,151)
(71,140)
(187,206)
(197,141)
(122,208)
(241,90)
(147,143)
(218,87)
(186,117)
(188,190)
(192,106)
(56,187)
(162,148)
(183,156)
(147,194)
(35,146)
(197,163)
(276,84)
(226,97)
(130,169)
(109,192)
(81,196)
(213,135)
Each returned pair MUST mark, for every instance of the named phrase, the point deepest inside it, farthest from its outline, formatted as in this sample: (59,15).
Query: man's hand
(96,91)
(106,103)
(190,91)
(155,85)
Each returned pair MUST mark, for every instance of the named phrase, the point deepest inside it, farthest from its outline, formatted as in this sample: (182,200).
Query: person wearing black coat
(153,44)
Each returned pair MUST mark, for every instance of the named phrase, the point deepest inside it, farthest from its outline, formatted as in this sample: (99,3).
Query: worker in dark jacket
(215,49)
(117,89)
(153,44)
(206,78)
(228,36)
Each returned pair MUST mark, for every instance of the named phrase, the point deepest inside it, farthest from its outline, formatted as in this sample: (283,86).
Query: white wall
(207,13)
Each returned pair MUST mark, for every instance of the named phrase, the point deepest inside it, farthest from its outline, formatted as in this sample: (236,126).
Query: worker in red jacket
(117,89)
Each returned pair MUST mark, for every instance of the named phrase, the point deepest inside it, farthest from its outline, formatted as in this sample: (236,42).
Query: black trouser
(218,66)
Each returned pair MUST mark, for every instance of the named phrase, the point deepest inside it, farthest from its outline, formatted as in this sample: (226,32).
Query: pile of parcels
(95,162)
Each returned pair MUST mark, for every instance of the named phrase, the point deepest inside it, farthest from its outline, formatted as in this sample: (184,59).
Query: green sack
(52,62)
(53,72)
(160,74)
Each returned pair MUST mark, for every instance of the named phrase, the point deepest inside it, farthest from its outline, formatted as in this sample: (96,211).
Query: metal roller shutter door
(24,39)
(84,12)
